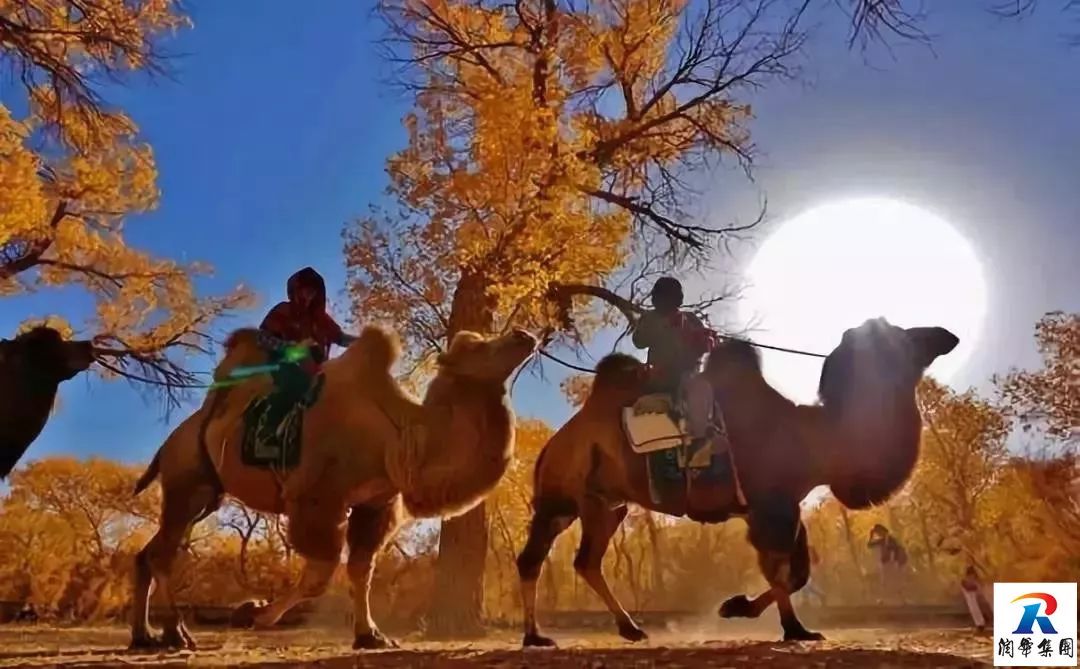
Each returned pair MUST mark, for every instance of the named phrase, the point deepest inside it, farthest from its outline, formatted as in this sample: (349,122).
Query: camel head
(32,366)
(487,359)
(45,357)
(867,387)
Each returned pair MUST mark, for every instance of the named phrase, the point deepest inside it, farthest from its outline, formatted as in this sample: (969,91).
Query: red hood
(313,282)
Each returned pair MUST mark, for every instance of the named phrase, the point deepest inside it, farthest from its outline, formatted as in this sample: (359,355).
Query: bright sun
(834,266)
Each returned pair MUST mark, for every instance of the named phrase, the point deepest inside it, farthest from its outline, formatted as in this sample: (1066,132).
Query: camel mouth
(525,338)
(80,356)
(523,343)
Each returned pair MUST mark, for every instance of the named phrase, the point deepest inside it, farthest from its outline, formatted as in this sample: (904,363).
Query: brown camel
(862,441)
(369,454)
(32,367)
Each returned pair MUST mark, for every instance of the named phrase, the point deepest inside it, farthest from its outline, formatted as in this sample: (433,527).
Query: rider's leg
(698,401)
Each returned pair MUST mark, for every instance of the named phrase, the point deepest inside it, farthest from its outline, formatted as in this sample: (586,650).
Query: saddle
(655,423)
(273,423)
(655,427)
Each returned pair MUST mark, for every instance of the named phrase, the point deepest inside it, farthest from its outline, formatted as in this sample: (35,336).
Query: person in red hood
(304,316)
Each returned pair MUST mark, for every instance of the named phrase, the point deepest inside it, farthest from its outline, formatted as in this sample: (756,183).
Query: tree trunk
(851,542)
(657,553)
(931,550)
(457,605)
(854,551)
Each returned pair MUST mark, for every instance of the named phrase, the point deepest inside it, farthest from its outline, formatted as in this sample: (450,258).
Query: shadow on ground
(102,647)
(753,655)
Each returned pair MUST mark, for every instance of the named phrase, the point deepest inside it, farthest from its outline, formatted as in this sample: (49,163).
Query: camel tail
(149,475)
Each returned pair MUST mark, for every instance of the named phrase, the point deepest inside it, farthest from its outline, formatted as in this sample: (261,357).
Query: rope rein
(543,352)
(782,349)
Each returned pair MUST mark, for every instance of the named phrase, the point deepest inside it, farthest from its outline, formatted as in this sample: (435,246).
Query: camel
(370,453)
(862,440)
(32,367)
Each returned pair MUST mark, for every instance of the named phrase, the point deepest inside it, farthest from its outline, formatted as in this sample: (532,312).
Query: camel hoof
(146,642)
(243,616)
(632,632)
(803,635)
(534,640)
(177,639)
(189,641)
(169,640)
(373,640)
(736,607)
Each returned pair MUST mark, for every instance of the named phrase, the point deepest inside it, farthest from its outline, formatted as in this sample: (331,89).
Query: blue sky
(275,133)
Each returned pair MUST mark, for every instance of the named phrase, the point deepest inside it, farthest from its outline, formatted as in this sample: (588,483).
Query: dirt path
(35,646)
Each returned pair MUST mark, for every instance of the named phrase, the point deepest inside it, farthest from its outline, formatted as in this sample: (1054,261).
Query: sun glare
(836,265)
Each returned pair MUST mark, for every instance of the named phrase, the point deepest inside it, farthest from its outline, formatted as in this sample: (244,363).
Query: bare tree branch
(874,20)
(19,257)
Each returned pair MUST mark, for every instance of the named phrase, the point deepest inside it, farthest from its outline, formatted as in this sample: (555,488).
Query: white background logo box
(1034,625)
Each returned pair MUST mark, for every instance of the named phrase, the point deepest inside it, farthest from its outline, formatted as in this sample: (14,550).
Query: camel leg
(318,534)
(598,525)
(784,559)
(549,520)
(740,606)
(182,508)
(369,530)
(314,580)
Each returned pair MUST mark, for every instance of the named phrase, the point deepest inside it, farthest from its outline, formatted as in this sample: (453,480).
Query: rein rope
(242,374)
(782,349)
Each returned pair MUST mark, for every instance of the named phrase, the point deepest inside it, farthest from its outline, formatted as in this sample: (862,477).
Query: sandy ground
(41,646)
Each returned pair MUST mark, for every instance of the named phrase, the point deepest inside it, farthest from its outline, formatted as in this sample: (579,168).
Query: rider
(677,340)
(304,317)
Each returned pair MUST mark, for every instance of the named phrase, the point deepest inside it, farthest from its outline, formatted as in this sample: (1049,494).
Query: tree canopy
(73,170)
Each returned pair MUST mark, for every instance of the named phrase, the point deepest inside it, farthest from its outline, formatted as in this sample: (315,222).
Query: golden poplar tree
(1049,398)
(548,144)
(72,170)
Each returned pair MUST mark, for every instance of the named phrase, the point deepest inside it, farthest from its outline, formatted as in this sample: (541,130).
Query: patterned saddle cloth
(273,424)
(655,428)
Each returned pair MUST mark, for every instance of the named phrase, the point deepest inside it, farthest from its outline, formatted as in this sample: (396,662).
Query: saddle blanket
(652,424)
(273,424)
(654,430)
(670,480)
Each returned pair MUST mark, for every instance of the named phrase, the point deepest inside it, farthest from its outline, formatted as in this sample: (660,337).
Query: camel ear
(932,343)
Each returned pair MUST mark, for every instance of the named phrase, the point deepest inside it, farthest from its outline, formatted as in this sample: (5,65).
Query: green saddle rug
(273,425)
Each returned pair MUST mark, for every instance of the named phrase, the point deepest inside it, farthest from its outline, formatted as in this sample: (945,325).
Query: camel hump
(619,380)
(378,347)
(619,370)
(242,338)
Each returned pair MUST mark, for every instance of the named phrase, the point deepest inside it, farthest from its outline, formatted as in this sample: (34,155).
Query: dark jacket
(304,315)
(676,343)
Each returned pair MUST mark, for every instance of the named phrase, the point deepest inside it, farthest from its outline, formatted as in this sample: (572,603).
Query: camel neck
(449,388)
